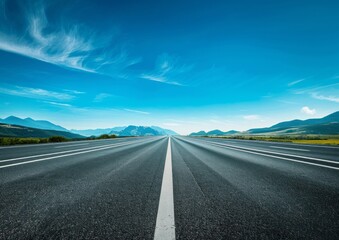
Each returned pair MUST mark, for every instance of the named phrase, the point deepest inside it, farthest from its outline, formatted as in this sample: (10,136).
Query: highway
(169,188)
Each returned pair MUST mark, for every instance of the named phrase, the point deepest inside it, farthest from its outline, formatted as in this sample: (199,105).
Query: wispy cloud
(135,111)
(36,93)
(68,45)
(318,88)
(168,70)
(251,117)
(59,104)
(327,98)
(73,91)
(295,82)
(101,97)
(308,110)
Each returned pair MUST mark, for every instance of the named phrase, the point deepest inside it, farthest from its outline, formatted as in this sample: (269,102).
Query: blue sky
(183,65)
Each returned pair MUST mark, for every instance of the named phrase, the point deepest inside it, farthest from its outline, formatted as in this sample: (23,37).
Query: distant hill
(214,133)
(164,131)
(327,125)
(200,133)
(7,130)
(121,130)
(29,122)
(309,126)
(97,132)
(138,131)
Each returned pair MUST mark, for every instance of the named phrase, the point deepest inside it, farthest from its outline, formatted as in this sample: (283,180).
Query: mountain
(7,130)
(302,126)
(201,133)
(98,132)
(215,132)
(117,130)
(29,122)
(138,131)
(164,131)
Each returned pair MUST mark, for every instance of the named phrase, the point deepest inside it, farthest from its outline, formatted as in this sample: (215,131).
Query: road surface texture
(169,188)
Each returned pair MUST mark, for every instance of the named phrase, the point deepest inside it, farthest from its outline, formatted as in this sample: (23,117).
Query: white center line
(296,149)
(165,226)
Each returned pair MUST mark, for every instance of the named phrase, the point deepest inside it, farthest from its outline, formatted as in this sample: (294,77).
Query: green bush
(29,140)
(106,136)
(57,139)
(43,140)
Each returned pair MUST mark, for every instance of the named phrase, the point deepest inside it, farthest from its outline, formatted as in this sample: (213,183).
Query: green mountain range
(29,122)
(7,130)
(328,125)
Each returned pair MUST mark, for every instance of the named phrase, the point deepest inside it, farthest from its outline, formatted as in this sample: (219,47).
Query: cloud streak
(36,93)
(71,46)
(168,70)
(136,111)
(101,97)
(327,98)
(295,82)
(59,104)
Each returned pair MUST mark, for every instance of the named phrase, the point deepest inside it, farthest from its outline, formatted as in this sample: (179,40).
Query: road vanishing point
(169,188)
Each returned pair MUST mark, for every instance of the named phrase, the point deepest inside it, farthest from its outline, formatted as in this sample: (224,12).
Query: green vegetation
(14,140)
(304,139)
(57,139)
(103,136)
(16,131)
(106,136)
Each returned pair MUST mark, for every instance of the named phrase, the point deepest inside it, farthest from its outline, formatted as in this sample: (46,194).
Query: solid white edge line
(287,148)
(283,143)
(267,155)
(278,153)
(68,151)
(165,225)
(66,155)
(73,145)
(283,158)
(59,156)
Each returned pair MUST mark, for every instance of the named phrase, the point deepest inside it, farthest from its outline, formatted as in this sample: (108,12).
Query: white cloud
(73,91)
(295,82)
(135,111)
(327,98)
(101,97)
(36,93)
(251,117)
(308,111)
(168,70)
(59,104)
(68,45)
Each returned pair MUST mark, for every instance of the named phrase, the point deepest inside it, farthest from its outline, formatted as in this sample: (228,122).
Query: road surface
(177,188)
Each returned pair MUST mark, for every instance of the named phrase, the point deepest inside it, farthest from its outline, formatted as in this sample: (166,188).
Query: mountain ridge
(31,123)
(46,125)
(325,125)
(11,130)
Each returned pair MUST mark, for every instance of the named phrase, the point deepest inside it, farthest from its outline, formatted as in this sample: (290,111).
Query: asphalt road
(188,188)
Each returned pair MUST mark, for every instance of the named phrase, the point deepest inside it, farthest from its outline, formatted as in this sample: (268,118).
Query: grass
(304,139)
(6,141)
(320,141)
